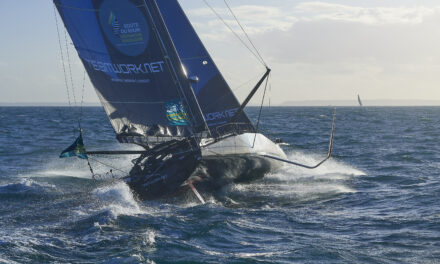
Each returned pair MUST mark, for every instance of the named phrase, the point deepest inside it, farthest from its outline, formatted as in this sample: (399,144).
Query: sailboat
(359,100)
(162,91)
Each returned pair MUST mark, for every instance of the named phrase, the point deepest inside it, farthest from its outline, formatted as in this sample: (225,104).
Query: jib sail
(134,67)
(216,99)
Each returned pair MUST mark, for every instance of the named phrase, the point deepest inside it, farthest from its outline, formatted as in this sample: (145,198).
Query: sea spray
(118,199)
(295,184)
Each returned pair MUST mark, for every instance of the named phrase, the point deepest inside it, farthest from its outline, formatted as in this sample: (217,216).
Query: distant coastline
(365,102)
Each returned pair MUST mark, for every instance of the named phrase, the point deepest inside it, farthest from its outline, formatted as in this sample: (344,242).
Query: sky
(317,50)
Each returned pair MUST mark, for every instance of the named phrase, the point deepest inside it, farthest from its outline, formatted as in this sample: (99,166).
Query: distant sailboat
(359,100)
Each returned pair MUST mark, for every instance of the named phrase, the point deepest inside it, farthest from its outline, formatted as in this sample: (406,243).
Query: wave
(118,199)
(25,186)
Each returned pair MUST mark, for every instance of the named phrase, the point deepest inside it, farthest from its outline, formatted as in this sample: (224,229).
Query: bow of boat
(236,158)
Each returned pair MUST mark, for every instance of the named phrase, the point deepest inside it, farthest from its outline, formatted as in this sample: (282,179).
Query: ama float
(161,90)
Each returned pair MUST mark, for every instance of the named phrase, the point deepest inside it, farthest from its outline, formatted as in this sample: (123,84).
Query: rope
(110,166)
(261,109)
(101,176)
(62,56)
(72,83)
(236,35)
(270,94)
(70,68)
(219,99)
(238,87)
(82,98)
(245,33)
(69,97)
(91,170)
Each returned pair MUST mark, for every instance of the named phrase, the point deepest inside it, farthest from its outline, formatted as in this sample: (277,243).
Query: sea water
(376,201)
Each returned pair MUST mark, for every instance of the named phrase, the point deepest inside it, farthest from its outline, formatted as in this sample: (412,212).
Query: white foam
(150,238)
(331,169)
(299,183)
(118,199)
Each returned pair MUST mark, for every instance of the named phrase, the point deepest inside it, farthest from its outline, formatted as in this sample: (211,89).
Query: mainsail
(359,100)
(136,71)
(216,99)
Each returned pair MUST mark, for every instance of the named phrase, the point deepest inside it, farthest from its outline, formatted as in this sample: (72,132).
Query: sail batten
(132,63)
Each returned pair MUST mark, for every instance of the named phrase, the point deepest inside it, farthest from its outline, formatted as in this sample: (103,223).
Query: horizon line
(374,102)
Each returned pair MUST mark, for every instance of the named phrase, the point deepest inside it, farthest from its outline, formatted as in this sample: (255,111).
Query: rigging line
(238,87)
(270,94)
(107,165)
(91,170)
(261,109)
(245,33)
(82,98)
(236,35)
(62,56)
(70,68)
(219,100)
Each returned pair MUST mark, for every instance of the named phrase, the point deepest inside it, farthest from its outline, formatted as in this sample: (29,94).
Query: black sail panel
(133,66)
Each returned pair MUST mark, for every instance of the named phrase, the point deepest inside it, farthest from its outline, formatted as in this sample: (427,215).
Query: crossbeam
(121,152)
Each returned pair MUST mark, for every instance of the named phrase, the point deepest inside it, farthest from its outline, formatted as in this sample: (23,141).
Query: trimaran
(161,90)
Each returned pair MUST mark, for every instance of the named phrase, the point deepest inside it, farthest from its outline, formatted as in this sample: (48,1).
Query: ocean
(375,201)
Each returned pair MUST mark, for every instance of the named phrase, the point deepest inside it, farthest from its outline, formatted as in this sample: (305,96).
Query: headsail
(130,58)
(216,99)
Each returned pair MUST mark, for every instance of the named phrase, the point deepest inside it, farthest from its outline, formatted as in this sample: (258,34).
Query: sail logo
(220,115)
(113,21)
(176,113)
(145,68)
(125,26)
(128,33)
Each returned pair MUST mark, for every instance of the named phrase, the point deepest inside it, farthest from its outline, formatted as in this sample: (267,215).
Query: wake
(293,183)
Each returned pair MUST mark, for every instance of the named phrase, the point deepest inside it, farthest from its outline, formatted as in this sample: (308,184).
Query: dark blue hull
(162,173)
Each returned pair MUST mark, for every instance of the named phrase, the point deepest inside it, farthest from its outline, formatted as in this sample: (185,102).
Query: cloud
(323,50)
(256,20)
(319,32)
(3,64)
(364,15)
(318,41)
(260,19)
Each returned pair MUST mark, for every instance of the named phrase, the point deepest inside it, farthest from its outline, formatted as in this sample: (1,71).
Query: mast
(188,95)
